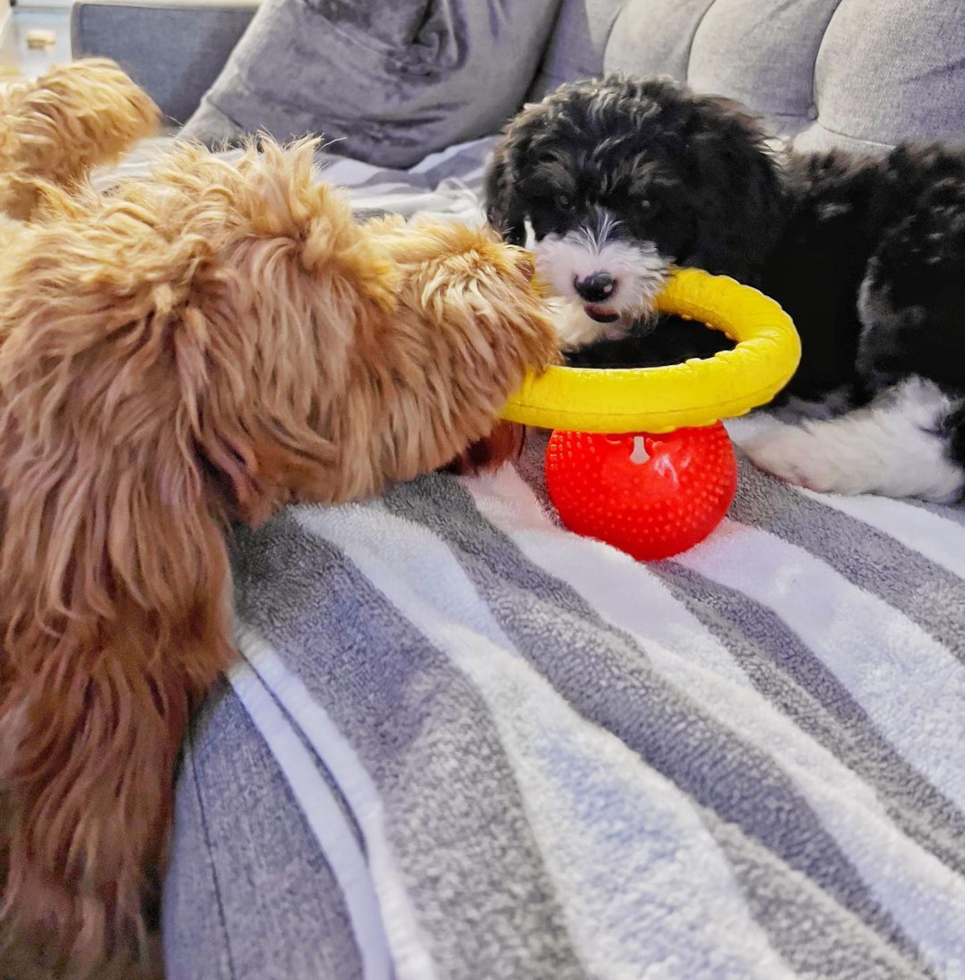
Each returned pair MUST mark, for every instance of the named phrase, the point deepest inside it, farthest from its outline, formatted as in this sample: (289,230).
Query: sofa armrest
(173,49)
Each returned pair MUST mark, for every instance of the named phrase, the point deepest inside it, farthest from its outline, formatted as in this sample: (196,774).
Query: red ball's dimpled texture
(652,496)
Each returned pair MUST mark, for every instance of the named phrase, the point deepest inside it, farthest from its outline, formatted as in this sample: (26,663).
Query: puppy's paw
(798,456)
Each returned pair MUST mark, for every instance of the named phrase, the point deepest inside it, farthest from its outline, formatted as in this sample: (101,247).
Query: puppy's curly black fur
(623,178)
(689,173)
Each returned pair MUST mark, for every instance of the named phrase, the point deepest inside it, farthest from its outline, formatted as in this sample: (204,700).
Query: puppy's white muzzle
(606,283)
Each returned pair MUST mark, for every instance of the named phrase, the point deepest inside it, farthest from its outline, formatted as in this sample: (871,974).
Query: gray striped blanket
(465,744)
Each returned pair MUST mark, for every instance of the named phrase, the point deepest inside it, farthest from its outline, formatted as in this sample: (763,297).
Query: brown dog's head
(462,288)
(203,346)
(293,352)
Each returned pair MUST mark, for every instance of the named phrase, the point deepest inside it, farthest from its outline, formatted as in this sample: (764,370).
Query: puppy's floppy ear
(505,209)
(738,190)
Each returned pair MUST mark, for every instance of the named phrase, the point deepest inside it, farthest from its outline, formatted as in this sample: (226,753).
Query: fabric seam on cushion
(817,55)
(845,136)
(606,43)
(541,66)
(693,36)
(222,918)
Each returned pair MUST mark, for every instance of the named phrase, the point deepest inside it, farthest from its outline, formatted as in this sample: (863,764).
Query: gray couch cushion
(904,79)
(393,81)
(577,44)
(174,49)
(858,74)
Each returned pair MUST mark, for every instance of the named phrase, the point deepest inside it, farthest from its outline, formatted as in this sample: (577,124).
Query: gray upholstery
(578,42)
(391,81)
(172,48)
(849,73)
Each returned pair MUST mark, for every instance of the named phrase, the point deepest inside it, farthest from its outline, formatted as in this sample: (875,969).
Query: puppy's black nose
(595,288)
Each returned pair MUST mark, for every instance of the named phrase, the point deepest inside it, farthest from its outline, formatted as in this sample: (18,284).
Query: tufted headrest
(858,74)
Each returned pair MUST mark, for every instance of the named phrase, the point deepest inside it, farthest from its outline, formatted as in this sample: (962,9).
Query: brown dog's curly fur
(201,347)
(59,127)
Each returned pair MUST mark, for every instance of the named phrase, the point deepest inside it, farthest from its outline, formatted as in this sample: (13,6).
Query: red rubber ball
(651,496)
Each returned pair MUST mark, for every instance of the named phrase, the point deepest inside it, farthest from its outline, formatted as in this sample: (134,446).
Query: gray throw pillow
(391,80)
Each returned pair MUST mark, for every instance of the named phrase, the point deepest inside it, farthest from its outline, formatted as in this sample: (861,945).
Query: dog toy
(639,458)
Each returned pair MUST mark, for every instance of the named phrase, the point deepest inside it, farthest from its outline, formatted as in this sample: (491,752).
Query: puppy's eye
(564,202)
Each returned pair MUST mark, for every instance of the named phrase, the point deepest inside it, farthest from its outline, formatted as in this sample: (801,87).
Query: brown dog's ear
(114,616)
(114,575)
(169,359)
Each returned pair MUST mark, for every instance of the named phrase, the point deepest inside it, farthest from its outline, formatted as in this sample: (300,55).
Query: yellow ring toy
(698,392)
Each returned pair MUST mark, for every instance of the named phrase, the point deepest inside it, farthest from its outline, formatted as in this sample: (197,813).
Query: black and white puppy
(623,178)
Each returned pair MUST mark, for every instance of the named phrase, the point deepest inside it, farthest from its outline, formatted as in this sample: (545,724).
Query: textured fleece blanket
(464,744)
